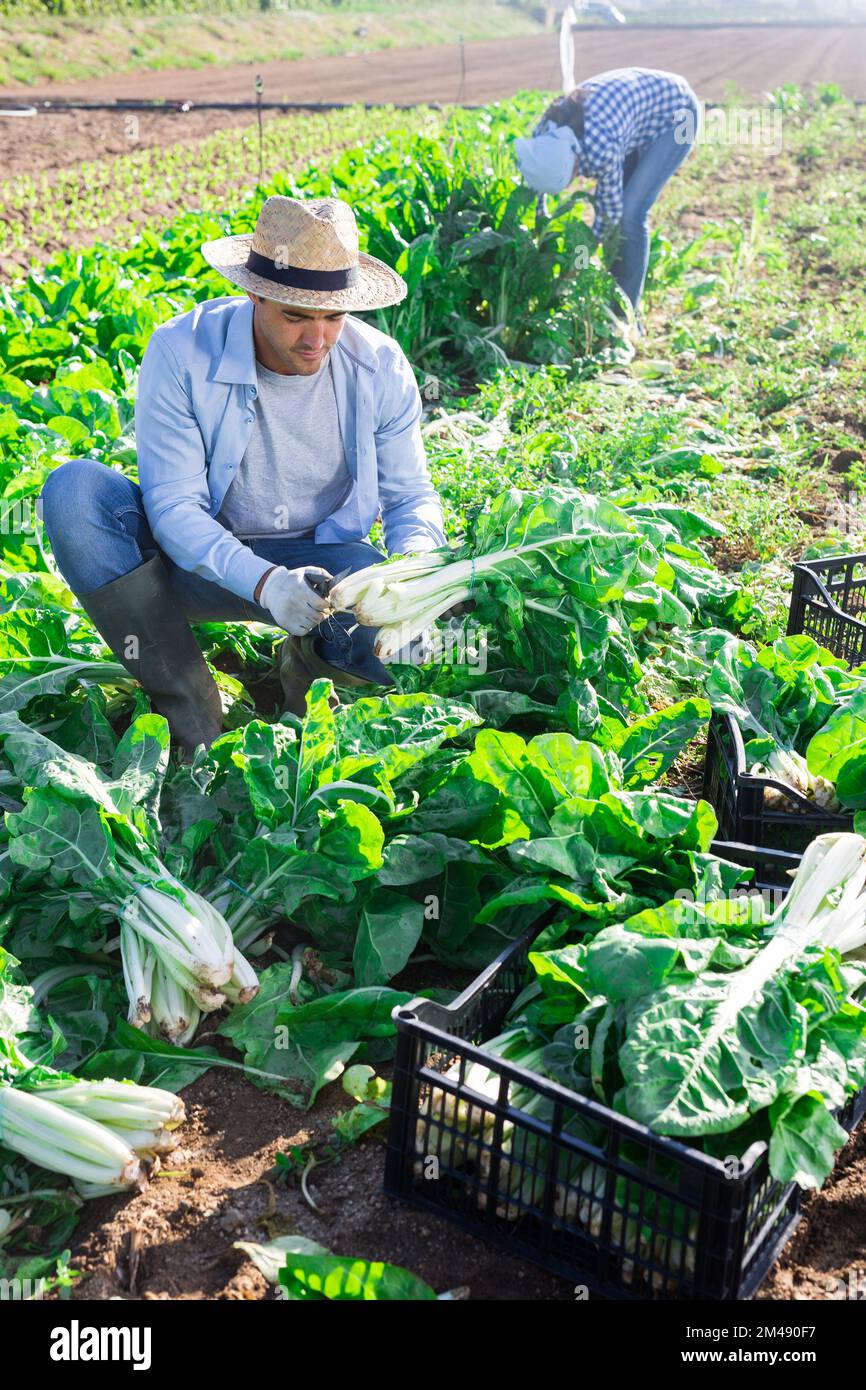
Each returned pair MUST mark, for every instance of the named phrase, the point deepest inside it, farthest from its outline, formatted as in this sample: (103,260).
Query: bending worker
(271,429)
(630,129)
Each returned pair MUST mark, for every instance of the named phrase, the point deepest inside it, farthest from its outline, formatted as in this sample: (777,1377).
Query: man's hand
(293,602)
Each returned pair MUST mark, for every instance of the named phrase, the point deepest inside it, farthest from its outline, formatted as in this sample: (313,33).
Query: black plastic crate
(828,602)
(739,800)
(627,1213)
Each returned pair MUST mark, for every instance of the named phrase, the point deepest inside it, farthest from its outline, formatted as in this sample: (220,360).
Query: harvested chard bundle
(165,953)
(405,597)
(162,923)
(807,712)
(647,1224)
(142,1117)
(766,759)
(57,1138)
(450,1127)
(97,839)
(186,933)
(511,1169)
(461,1132)
(549,570)
(104,1135)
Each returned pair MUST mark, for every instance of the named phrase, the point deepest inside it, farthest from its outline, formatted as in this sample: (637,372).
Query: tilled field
(751,59)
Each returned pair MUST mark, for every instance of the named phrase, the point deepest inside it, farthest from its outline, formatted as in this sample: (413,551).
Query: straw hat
(306,254)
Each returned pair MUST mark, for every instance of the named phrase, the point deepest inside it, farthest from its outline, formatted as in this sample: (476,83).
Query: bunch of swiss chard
(717,1022)
(806,713)
(571,592)
(105,1135)
(84,846)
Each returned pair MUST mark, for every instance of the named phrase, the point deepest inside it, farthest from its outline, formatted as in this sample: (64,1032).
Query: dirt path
(754,58)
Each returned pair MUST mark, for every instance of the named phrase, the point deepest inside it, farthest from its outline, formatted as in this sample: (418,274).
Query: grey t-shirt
(293,473)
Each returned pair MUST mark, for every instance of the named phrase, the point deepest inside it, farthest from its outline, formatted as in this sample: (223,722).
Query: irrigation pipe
(70,105)
(63,108)
(50,108)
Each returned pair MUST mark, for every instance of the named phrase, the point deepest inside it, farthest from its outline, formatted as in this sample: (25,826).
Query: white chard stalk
(148,1143)
(176,1015)
(138,964)
(404,597)
(121,1104)
(792,769)
(57,1138)
(179,961)
(244,983)
(185,936)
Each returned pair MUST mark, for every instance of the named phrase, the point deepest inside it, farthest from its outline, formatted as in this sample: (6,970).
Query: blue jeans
(644,176)
(95,520)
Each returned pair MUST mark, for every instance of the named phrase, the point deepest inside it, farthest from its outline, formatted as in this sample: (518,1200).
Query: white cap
(546,161)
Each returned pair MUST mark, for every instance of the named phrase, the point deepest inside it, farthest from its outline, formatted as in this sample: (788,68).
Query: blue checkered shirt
(625,110)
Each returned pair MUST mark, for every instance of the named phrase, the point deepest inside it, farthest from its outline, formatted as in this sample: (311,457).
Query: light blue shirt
(194,415)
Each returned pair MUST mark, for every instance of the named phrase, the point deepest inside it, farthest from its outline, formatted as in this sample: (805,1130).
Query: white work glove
(292,602)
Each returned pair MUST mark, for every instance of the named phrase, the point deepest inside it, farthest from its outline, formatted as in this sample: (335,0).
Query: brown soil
(754,59)
(60,141)
(175,1240)
(830,1242)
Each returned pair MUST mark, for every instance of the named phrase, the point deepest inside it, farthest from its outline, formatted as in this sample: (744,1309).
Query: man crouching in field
(271,431)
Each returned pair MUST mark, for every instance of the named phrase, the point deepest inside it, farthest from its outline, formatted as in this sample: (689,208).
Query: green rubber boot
(164,656)
(300,665)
